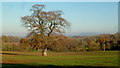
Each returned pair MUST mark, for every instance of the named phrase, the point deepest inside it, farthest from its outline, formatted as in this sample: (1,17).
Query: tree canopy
(44,22)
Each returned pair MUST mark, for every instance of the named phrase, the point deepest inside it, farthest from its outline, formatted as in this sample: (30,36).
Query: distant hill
(84,34)
(88,34)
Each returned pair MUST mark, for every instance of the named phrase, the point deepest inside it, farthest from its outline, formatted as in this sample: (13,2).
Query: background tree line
(61,43)
(10,39)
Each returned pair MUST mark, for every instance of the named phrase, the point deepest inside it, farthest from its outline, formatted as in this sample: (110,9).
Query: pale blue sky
(96,17)
(59,0)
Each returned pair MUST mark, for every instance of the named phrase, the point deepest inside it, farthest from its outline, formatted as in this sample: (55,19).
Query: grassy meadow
(98,59)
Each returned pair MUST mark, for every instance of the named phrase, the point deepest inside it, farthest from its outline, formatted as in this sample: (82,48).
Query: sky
(85,17)
(59,0)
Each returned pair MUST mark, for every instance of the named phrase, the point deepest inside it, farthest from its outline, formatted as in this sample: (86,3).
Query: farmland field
(108,59)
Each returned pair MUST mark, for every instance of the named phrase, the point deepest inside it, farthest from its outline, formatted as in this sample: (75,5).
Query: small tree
(42,24)
(103,40)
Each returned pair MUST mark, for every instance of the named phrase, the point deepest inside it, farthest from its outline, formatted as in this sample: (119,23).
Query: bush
(16,48)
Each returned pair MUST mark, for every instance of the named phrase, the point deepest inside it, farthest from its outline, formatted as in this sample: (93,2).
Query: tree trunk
(104,47)
(44,52)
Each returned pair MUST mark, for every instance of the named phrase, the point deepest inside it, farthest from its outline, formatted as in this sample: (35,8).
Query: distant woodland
(62,43)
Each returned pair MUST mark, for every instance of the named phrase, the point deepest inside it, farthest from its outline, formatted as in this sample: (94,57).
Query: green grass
(108,58)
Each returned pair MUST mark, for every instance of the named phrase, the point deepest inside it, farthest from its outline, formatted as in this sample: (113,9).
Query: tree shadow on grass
(9,54)
(51,66)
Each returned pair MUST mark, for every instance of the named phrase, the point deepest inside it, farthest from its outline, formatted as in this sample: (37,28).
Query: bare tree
(42,24)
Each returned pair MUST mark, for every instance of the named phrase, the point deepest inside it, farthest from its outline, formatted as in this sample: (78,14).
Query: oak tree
(42,24)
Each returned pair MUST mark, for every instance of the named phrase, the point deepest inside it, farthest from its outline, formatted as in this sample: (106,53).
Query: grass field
(108,59)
